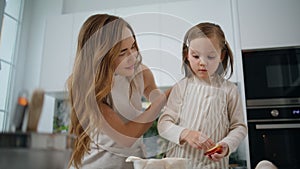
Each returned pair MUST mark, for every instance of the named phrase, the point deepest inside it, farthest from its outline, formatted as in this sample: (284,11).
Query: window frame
(8,105)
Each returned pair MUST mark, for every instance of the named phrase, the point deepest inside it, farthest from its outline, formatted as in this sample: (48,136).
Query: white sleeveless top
(105,152)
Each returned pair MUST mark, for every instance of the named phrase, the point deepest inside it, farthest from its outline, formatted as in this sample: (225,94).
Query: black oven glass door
(272,73)
(276,142)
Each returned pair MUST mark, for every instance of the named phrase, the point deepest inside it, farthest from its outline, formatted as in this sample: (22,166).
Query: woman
(105,88)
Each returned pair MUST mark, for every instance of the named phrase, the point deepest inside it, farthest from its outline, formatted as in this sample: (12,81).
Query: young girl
(105,89)
(204,109)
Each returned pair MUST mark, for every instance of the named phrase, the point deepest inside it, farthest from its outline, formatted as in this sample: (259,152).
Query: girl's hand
(196,139)
(217,156)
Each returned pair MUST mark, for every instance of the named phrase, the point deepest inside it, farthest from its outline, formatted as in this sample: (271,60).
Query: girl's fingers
(213,158)
(208,144)
(216,157)
(202,138)
(211,143)
(194,144)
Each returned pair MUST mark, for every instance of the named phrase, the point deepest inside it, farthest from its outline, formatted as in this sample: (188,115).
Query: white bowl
(164,163)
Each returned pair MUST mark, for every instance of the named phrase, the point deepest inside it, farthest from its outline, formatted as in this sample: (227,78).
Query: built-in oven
(272,90)
(274,135)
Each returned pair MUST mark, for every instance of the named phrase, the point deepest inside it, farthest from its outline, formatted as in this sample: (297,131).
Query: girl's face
(127,56)
(204,56)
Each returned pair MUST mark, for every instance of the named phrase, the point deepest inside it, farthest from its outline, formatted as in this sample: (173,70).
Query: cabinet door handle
(277,126)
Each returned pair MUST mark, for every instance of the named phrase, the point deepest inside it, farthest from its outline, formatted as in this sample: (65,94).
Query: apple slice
(216,149)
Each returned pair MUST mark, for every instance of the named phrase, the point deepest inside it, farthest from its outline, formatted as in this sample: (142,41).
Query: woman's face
(127,57)
(204,56)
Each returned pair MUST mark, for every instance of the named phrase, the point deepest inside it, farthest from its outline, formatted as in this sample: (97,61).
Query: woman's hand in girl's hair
(219,156)
(196,139)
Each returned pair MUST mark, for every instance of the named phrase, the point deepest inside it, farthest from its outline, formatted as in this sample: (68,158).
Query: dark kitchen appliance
(272,74)
(274,135)
(272,88)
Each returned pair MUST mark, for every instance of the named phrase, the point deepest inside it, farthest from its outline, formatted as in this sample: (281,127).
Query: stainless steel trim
(270,49)
(273,102)
(273,120)
(274,106)
(277,126)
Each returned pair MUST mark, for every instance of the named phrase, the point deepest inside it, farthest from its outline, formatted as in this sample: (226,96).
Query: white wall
(36,13)
(28,65)
(29,53)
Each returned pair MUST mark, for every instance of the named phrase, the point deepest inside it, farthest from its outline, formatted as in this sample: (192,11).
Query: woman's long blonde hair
(208,30)
(91,81)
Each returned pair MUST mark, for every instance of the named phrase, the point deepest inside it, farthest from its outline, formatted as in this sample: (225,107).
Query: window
(8,44)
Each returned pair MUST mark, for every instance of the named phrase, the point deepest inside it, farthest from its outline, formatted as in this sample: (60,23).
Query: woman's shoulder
(147,78)
(142,66)
(144,70)
(146,74)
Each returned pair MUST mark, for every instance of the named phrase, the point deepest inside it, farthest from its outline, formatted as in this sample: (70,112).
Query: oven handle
(277,126)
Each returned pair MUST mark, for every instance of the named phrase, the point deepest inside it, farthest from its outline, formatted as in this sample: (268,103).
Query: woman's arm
(150,90)
(126,133)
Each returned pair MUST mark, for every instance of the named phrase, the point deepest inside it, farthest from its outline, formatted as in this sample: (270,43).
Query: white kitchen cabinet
(160,29)
(182,15)
(191,13)
(59,49)
(145,21)
(57,59)
(173,28)
(269,23)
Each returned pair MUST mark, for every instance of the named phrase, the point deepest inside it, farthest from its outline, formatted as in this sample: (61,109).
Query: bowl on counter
(35,150)
(164,163)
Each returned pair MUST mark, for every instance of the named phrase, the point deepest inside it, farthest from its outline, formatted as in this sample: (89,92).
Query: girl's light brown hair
(99,45)
(208,30)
